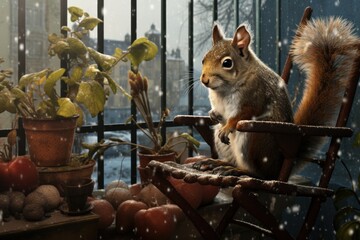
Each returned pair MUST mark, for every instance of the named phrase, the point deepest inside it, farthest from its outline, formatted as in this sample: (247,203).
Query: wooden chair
(245,188)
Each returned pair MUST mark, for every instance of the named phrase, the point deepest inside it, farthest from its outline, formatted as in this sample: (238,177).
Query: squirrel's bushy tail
(325,49)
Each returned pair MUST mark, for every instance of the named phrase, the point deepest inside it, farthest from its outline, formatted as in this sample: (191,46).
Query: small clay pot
(144,159)
(77,192)
(59,176)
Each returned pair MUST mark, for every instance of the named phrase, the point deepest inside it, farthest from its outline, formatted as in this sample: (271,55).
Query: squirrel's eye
(227,63)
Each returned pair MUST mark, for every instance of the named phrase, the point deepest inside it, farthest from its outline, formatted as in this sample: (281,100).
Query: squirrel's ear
(217,33)
(241,40)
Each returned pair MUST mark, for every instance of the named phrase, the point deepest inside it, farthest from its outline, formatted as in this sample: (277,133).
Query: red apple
(155,223)
(20,174)
(125,215)
(105,211)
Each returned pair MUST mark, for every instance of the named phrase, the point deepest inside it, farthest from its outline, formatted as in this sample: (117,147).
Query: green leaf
(76,75)
(76,46)
(65,28)
(142,49)
(119,54)
(75,13)
(341,194)
(11,137)
(5,104)
(53,38)
(349,231)
(191,139)
(79,35)
(60,47)
(50,83)
(112,84)
(357,140)
(89,23)
(105,62)
(46,109)
(91,71)
(92,95)
(345,214)
(66,108)
(27,79)
(18,93)
(7,101)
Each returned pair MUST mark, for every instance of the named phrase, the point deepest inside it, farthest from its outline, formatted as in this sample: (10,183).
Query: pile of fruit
(34,206)
(146,211)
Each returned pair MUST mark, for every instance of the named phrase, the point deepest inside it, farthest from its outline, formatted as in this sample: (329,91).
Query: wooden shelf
(56,227)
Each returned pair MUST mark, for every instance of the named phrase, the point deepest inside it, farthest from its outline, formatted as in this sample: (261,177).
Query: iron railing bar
(278,36)
(100,117)
(257,26)
(215,10)
(163,76)
(191,64)
(133,170)
(236,13)
(21,66)
(63,22)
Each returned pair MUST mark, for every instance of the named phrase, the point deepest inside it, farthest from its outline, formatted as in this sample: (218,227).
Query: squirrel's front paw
(228,171)
(224,135)
(215,116)
(206,164)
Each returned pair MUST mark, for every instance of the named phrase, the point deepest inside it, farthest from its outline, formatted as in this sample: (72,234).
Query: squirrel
(242,87)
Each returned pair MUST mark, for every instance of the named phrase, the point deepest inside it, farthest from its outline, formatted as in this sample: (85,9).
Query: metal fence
(273,21)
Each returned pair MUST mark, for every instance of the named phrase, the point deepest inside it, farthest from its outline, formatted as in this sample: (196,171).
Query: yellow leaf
(75,13)
(66,108)
(49,86)
(92,95)
(89,23)
(142,49)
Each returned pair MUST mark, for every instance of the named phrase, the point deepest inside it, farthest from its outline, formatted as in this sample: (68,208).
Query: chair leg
(250,203)
(227,218)
(310,219)
(204,228)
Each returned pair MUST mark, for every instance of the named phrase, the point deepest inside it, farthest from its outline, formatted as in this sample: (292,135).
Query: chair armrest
(292,129)
(192,120)
(284,188)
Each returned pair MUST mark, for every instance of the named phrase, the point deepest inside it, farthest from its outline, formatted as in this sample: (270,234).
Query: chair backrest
(342,119)
(349,94)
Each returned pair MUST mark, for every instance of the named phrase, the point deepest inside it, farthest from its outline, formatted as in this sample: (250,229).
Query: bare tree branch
(203,15)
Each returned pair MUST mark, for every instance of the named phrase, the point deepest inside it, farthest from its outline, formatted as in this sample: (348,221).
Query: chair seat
(190,175)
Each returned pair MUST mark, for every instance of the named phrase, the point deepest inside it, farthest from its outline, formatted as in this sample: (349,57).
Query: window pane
(117,35)
(177,76)
(8,48)
(42,18)
(148,25)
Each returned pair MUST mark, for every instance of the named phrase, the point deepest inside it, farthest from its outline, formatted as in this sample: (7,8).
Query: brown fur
(325,50)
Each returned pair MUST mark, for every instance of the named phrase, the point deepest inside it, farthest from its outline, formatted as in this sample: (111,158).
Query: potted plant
(88,82)
(139,93)
(158,150)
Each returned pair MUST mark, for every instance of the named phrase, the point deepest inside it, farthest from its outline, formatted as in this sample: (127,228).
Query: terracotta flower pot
(144,159)
(77,192)
(50,141)
(59,176)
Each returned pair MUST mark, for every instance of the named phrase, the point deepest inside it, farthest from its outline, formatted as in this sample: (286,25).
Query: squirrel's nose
(204,79)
